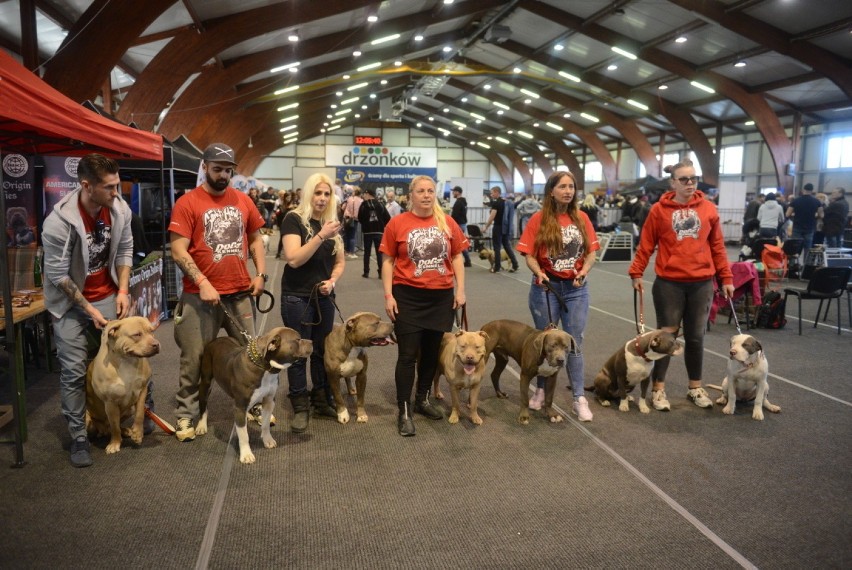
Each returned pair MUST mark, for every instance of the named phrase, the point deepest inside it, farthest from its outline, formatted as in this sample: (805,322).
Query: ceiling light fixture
(567,75)
(501,105)
(289,128)
(372,18)
(418,38)
(483,145)
(286,90)
(559,47)
(356,53)
(611,67)
(459,124)
(701,86)
(337,120)
(532,94)
(369,66)
(334,128)
(293,37)
(447,49)
(591,118)
(357,86)
(349,101)
(500,111)
(553,126)
(526,135)
(290,66)
(477,116)
(680,39)
(343,112)
(637,104)
(502,140)
(662,87)
(250,145)
(285,107)
(397,63)
(623,52)
(288,119)
(567,115)
(516,70)
(749,123)
(740,63)
(384,39)
(487,86)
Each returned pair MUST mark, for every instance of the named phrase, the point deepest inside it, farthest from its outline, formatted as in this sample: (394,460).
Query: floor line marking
(207,542)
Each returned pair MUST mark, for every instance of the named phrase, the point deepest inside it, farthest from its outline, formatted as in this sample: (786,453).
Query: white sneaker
(699,397)
(581,409)
(659,400)
(537,401)
(185,429)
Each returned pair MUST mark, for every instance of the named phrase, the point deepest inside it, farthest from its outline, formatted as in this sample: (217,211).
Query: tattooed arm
(180,254)
(67,286)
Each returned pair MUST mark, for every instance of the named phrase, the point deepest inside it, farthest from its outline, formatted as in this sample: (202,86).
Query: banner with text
(60,178)
(358,157)
(146,291)
(18,183)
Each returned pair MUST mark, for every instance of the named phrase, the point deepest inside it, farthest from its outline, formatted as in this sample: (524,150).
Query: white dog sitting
(746,379)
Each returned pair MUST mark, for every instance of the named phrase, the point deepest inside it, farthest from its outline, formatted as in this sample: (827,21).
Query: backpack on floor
(770,315)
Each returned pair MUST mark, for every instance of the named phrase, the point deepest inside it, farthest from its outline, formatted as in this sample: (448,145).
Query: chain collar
(254,355)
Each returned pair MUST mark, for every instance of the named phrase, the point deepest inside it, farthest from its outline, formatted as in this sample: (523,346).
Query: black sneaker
(80,455)
(404,423)
(424,407)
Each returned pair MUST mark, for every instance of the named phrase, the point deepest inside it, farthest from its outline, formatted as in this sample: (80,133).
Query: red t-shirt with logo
(99,284)
(218,229)
(570,261)
(422,252)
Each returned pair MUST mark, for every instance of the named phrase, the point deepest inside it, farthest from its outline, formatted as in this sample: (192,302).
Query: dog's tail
(714,386)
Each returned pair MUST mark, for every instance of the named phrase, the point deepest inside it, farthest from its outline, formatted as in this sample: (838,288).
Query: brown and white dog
(249,374)
(346,356)
(117,380)
(488,254)
(538,353)
(746,379)
(461,360)
(631,365)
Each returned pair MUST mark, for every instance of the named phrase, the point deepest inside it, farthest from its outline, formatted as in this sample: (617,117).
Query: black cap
(219,152)
(370,191)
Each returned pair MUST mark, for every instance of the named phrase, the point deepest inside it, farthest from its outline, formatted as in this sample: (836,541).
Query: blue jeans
(807,241)
(313,319)
(573,322)
(349,237)
(834,241)
(77,342)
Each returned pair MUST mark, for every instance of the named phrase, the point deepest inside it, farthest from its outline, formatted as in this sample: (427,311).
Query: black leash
(559,299)
(271,301)
(314,298)
(461,323)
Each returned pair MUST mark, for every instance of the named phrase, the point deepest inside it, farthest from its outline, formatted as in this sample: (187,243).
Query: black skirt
(423,309)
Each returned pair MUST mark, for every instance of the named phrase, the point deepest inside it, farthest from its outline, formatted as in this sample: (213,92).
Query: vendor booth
(36,121)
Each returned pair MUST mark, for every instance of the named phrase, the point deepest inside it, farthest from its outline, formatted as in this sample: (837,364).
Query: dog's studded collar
(254,355)
(639,350)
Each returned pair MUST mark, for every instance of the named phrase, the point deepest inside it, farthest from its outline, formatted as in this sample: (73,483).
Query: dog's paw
(555,419)
(476,420)
(721,400)
(343,417)
(629,398)
(268,441)
(643,407)
(439,395)
(757,414)
(113,447)
(772,407)
(624,405)
(500,394)
(605,403)
(247,457)
(362,418)
(201,427)
(729,409)
(523,419)
(454,417)
(353,391)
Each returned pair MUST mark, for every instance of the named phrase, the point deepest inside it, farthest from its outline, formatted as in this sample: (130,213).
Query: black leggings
(690,302)
(425,344)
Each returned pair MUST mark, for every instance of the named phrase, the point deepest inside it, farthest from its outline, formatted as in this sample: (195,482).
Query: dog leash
(734,313)
(559,299)
(314,298)
(639,312)
(271,301)
(461,323)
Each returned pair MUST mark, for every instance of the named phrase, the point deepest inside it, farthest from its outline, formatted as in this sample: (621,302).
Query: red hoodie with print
(689,241)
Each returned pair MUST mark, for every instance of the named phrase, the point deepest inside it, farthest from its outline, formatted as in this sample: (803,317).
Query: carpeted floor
(689,488)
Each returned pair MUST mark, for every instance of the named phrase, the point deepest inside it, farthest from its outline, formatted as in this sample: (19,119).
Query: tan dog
(117,380)
(249,374)
(488,254)
(631,365)
(346,356)
(538,353)
(748,369)
(461,360)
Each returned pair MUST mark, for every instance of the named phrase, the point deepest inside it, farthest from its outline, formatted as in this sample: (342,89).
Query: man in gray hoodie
(88,253)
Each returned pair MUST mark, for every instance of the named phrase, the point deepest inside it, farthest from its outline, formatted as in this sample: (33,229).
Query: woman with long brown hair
(559,245)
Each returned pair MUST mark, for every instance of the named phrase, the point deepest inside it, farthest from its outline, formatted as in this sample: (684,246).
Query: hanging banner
(60,178)
(18,184)
(360,157)
(146,291)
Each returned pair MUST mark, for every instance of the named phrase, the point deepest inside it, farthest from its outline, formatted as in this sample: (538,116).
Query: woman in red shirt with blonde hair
(423,257)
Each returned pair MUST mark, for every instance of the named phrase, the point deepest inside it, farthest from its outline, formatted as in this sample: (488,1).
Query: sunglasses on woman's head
(687,180)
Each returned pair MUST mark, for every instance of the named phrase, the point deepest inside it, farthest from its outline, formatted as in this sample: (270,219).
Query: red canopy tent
(37,119)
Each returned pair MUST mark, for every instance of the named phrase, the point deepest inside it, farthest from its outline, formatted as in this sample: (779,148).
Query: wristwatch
(265,277)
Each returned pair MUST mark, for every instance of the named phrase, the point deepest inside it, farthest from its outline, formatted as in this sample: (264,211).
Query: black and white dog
(746,379)
(632,364)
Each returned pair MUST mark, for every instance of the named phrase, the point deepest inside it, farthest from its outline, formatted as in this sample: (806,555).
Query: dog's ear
(273,344)
(483,334)
(459,332)
(572,344)
(752,345)
(538,343)
(350,324)
(112,328)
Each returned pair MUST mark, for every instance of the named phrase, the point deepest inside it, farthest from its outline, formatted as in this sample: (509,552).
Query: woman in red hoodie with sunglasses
(684,227)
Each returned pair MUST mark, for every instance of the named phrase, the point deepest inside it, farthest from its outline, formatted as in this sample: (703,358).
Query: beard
(218,185)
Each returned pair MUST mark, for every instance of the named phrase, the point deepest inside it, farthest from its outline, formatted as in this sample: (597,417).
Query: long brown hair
(550,233)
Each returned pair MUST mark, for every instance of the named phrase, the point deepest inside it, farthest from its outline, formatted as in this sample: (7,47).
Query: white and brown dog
(631,365)
(746,379)
(249,375)
(117,380)
(346,356)
(461,360)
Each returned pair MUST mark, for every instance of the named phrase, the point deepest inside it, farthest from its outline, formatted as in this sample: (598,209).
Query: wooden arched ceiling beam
(628,129)
(95,43)
(189,50)
(766,121)
(208,87)
(832,66)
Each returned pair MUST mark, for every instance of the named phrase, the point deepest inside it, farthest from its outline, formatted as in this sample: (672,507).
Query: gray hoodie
(66,250)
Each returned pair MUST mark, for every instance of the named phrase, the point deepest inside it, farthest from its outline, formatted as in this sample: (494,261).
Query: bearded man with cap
(214,229)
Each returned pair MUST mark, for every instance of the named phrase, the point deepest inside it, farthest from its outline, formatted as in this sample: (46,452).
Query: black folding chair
(476,238)
(826,283)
